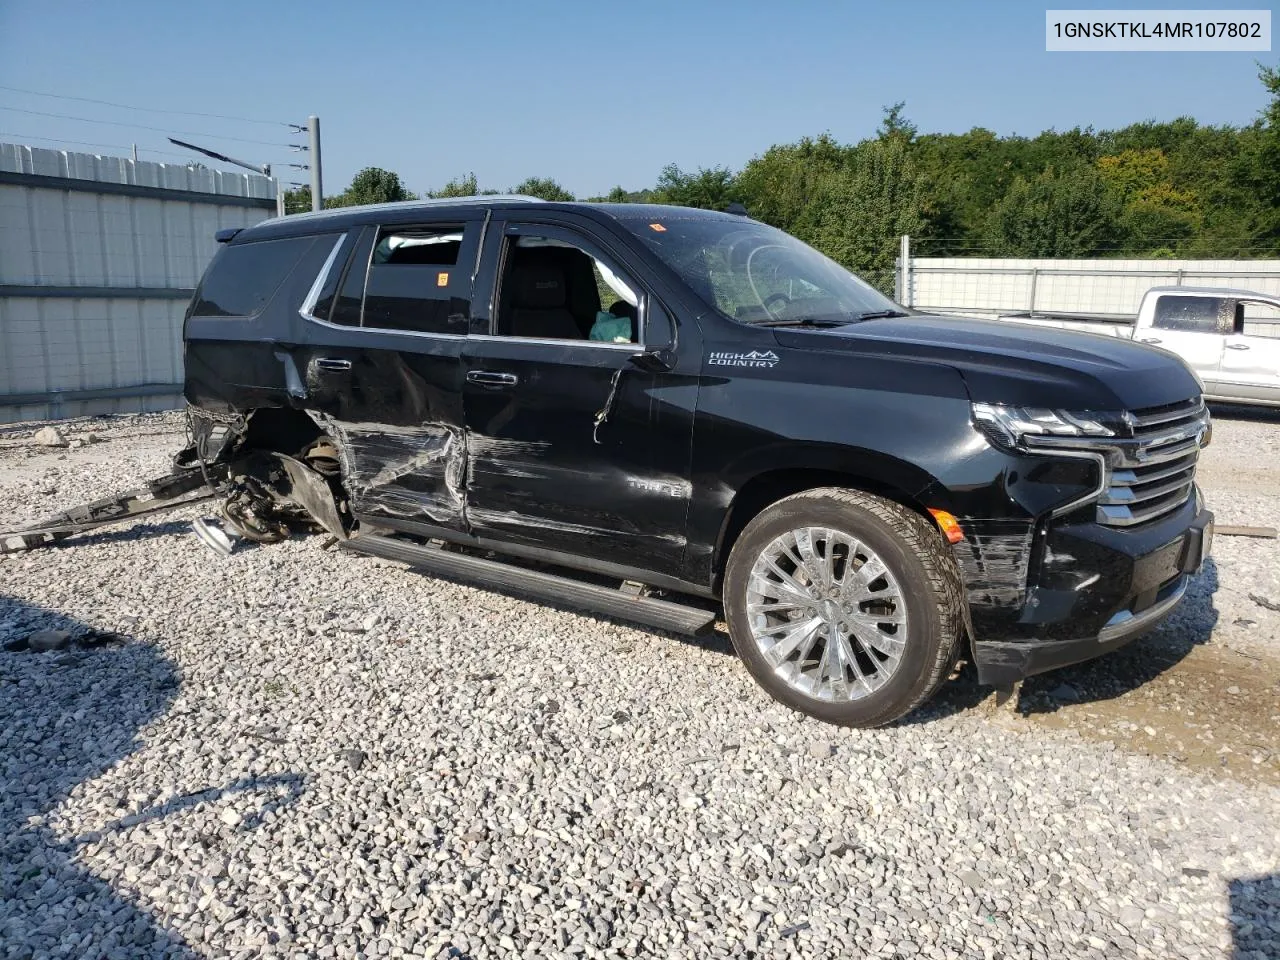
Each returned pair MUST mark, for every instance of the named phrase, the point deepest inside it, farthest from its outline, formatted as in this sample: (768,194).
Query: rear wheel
(844,605)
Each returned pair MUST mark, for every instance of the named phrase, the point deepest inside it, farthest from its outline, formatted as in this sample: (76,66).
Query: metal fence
(98,257)
(1102,289)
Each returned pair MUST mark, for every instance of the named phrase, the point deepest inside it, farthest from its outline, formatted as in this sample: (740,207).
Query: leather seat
(536,305)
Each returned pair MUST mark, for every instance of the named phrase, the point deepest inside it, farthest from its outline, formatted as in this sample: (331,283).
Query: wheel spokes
(826,613)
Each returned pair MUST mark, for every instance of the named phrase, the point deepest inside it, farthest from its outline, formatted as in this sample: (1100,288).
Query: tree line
(1151,189)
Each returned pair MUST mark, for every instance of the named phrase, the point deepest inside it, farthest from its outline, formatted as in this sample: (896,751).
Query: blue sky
(593,94)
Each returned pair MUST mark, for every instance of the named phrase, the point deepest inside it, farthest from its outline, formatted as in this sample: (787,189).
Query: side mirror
(659,337)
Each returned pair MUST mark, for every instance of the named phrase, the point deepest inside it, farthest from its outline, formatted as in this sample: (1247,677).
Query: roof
(1233,292)
(431,204)
(318,221)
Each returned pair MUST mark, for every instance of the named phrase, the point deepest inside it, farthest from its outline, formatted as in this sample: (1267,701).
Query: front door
(1194,328)
(379,367)
(1251,360)
(576,443)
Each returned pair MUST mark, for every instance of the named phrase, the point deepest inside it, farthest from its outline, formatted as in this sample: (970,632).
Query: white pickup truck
(1230,338)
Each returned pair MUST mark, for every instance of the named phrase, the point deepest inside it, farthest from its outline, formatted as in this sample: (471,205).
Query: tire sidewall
(924,628)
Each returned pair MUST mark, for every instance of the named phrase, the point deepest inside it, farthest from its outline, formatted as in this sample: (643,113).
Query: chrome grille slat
(1188,410)
(1129,496)
(1123,515)
(1153,470)
(1144,458)
(1146,474)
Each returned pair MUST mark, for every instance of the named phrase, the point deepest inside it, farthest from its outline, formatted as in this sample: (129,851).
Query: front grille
(1152,469)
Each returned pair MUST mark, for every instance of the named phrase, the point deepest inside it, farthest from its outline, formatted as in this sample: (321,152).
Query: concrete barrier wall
(98,258)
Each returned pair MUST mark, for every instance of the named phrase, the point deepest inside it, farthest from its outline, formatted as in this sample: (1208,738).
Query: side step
(662,614)
(178,489)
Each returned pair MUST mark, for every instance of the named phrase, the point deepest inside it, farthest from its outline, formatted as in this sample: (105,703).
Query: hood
(1018,363)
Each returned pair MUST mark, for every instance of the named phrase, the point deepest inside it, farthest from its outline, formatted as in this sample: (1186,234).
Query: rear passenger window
(243,276)
(419,280)
(350,292)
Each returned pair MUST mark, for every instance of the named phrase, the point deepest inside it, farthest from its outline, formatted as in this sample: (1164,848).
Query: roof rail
(414,204)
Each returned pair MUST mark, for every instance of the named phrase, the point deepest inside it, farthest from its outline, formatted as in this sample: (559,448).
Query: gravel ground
(300,752)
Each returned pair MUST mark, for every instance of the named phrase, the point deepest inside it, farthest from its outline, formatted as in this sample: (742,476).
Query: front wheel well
(766,488)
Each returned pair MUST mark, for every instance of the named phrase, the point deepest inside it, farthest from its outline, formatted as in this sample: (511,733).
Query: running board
(662,614)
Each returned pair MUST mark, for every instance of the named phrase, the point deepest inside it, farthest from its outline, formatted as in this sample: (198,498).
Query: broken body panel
(644,460)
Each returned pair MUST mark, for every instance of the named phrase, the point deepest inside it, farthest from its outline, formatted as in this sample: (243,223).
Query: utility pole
(313,131)
(904,292)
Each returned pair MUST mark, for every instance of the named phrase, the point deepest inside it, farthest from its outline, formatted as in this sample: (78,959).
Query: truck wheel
(845,606)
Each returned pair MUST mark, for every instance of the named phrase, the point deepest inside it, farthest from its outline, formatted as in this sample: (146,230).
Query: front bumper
(1091,590)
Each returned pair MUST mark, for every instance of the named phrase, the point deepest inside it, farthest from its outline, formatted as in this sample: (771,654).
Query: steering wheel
(771,298)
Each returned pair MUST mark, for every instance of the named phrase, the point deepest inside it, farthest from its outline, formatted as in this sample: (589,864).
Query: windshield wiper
(878,314)
(800,322)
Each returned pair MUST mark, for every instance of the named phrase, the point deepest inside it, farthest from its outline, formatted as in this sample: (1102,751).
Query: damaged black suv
(659,413)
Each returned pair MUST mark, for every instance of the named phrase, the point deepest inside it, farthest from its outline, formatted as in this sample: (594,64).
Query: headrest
(539,285)
(620,308)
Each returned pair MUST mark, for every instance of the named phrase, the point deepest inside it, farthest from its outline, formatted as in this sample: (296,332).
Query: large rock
(50,437)
(42,641)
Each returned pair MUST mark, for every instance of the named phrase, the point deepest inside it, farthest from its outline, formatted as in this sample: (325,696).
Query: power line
(138,126)
(125,106)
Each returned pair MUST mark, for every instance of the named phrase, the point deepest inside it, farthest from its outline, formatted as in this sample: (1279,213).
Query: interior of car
(553,291)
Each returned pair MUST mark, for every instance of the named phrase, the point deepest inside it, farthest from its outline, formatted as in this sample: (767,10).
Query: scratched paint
(993,558)
(511,518)
(403,471)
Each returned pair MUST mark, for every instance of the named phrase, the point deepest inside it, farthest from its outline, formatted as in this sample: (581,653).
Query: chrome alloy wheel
(826,614)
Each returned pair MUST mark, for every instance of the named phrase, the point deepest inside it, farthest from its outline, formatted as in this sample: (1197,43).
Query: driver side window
(553,289)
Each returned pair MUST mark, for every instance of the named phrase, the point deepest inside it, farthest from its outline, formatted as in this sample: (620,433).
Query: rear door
(1251,360)
(1194,328)
(378,363)
(574,446)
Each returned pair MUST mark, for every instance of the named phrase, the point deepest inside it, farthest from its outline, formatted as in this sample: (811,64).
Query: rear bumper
(1091,591)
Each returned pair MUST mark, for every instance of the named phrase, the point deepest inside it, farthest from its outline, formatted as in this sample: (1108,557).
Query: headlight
(1010,426)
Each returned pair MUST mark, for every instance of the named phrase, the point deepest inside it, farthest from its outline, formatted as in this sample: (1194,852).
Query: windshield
(754,273)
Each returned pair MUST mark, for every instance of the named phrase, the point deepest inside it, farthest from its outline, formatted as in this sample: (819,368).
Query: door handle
(1149,339)
(490,378)
(333,363)
(1237,346)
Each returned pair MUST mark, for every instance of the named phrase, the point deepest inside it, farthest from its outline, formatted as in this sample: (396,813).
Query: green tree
(780,186)
(375,185)
(544,188)
(895,125)
(864,209)
(1155,214)
(297,200)
(464,186)
(1065,213)
(709,189)
(1266,162)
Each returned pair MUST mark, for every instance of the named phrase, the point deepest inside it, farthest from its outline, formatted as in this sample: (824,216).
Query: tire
(904,634)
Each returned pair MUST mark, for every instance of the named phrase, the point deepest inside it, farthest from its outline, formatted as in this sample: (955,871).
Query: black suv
(658,413)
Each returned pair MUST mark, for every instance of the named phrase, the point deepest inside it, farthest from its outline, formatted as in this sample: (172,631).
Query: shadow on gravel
(1109,676)
(1135,664)
(1255,917)
(137,531)
(1238,411)
(66,717)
